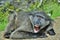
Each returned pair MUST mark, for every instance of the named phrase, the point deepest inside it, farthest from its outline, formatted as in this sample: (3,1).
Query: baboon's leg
(18,34)
(50,29)
(10,26)
(51,32)
(11,23)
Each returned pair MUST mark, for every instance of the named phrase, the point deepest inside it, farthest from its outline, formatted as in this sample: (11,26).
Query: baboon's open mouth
(36,28)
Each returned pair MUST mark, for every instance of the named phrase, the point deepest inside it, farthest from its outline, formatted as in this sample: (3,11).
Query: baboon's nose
(36,25)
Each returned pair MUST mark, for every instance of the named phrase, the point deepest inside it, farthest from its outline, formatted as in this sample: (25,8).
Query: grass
(54,7)
(2,26)
(3,20)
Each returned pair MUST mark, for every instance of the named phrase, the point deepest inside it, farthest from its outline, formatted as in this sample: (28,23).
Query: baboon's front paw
(7,35)
(51,32)
(43,35)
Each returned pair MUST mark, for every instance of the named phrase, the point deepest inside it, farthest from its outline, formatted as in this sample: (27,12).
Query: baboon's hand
(51,32)
(7,35)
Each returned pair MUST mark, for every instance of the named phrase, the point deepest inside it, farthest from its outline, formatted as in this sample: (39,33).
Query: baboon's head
(37,21)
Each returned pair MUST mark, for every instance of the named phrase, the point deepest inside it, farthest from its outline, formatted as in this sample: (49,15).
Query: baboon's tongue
(36,29)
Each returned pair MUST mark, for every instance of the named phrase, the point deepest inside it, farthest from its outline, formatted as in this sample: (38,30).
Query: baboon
(29,25)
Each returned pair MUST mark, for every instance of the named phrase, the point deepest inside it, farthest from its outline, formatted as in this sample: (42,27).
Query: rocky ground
(56,37)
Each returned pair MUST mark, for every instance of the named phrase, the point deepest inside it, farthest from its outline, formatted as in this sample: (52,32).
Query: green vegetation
(47,7)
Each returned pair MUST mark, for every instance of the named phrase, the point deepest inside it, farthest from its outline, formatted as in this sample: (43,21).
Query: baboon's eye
(39,16)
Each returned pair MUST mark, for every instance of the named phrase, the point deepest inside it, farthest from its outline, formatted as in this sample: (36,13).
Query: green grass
(54,7)
(2,26)
(3,20)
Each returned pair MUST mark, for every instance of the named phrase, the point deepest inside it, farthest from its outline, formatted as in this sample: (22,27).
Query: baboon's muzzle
(36,28)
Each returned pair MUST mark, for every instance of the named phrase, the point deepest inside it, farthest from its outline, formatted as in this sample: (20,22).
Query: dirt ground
(56,37)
